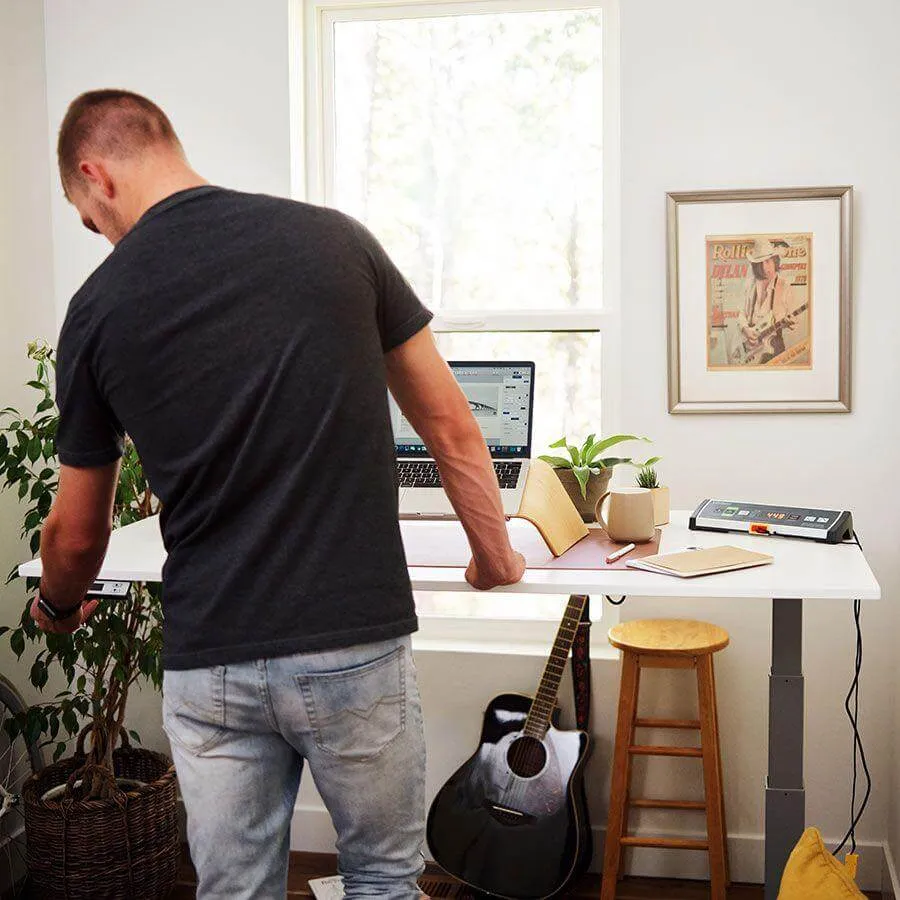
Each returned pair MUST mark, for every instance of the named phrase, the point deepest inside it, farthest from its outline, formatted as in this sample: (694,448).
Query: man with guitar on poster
(769,300)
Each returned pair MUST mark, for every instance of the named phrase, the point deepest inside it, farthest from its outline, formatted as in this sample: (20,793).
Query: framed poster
(759,300)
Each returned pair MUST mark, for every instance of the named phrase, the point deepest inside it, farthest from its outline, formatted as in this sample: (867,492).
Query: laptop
(501,396)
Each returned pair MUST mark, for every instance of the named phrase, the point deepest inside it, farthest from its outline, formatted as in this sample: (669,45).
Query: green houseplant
(585,472)
(647,477)
(119,647)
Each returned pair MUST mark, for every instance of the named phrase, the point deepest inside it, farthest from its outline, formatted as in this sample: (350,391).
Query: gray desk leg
(785,794)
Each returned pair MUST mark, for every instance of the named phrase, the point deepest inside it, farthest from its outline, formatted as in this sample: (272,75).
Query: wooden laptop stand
(548,507)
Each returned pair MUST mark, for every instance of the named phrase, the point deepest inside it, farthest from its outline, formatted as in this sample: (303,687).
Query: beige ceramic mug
(630,516)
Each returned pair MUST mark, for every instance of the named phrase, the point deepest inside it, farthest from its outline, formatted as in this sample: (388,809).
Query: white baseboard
(890,888)
(312,832)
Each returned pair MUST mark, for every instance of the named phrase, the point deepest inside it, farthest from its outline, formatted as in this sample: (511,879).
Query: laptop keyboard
(424,473)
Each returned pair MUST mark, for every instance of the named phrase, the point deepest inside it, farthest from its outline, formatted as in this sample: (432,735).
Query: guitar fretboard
(545,698)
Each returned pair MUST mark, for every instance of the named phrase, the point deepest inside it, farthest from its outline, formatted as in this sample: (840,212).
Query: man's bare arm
(428,394)
(74,539)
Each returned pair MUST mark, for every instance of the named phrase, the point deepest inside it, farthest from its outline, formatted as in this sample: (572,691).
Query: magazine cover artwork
(759,301)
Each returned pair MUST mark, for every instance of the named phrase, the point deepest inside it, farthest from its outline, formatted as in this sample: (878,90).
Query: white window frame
(312,134)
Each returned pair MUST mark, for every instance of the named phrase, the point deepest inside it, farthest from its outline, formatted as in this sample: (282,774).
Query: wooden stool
(667,644)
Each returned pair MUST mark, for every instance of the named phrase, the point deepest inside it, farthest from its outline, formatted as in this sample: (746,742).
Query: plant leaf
(610,461)
(586,446)
(582,473)
(69,720)
(558,462)
(562,442)
(606,443)
(17,643)
(33,728)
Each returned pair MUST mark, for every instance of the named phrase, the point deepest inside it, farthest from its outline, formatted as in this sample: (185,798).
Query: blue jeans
(240,734)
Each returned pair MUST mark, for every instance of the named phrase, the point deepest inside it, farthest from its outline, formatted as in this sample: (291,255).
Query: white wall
(218,67)
(26,265)
(691,72)
(830,73)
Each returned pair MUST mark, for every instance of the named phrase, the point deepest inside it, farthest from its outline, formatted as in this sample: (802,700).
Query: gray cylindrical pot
(597,486)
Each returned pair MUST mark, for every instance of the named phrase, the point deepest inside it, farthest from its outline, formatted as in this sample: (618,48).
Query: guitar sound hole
(526,757)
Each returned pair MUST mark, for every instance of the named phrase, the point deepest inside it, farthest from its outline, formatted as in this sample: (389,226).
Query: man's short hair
(113,123)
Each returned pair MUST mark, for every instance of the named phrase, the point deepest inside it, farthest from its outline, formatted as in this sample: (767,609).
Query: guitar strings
(527,748)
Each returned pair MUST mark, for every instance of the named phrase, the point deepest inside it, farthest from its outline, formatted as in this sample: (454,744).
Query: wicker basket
(124,848)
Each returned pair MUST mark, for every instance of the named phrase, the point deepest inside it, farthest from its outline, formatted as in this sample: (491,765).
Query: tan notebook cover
(688,563)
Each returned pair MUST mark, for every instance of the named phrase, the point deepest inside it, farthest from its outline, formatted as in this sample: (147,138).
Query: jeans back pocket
(194,708)
(356,712)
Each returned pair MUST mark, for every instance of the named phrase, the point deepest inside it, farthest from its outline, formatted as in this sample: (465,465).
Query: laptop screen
(501,396)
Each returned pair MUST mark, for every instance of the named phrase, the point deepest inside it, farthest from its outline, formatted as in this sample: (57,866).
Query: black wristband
(54,613)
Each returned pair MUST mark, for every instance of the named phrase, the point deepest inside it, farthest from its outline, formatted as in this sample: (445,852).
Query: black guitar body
(511,835)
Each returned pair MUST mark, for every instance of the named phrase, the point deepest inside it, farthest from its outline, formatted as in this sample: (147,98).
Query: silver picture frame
(837,399)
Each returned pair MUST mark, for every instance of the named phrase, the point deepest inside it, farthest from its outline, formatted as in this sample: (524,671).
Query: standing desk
(803,571)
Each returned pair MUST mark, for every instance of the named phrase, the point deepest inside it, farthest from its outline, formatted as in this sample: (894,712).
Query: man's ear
(96,173)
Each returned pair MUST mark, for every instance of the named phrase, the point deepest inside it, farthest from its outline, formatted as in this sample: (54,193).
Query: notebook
(694,561)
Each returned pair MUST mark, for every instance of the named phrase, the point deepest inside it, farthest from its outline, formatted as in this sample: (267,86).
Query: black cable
(618,602)
(859,753)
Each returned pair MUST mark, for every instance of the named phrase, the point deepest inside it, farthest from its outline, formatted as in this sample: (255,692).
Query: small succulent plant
(647,476)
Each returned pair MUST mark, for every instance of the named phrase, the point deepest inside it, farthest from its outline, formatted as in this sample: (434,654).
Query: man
(769,301)
(246,344)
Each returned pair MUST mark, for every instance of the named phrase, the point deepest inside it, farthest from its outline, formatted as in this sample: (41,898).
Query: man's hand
(75,535)
(484,577)
(63,626)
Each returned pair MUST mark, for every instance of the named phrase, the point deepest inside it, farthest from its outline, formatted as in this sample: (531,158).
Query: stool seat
(669,637)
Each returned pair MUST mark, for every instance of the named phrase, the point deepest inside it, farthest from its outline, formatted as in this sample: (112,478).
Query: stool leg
(721,770)
(715,825)
(621,773)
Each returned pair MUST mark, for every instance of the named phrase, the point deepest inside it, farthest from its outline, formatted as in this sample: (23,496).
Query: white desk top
(802,569)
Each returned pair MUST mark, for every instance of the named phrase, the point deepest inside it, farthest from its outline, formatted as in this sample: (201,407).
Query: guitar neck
(545,698)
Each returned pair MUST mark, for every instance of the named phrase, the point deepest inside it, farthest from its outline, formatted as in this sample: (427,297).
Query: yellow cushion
(812,871)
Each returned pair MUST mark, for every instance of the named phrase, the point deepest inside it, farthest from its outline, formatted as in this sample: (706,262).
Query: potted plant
(647,477)
(585,474)
(115,809)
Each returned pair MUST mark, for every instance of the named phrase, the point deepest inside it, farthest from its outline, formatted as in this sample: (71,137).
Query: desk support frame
(785,791)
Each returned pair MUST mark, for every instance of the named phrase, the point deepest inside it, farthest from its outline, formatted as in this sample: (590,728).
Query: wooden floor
(316,865)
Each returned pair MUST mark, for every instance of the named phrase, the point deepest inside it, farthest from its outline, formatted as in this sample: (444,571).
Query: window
(478,140)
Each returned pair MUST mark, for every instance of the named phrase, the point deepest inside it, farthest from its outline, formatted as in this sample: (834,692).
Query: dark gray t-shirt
(239,340)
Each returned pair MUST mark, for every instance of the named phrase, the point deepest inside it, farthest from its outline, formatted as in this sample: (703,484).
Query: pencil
(620,553)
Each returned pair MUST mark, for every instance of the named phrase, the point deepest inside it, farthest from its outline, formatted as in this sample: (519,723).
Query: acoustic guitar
(512,821)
